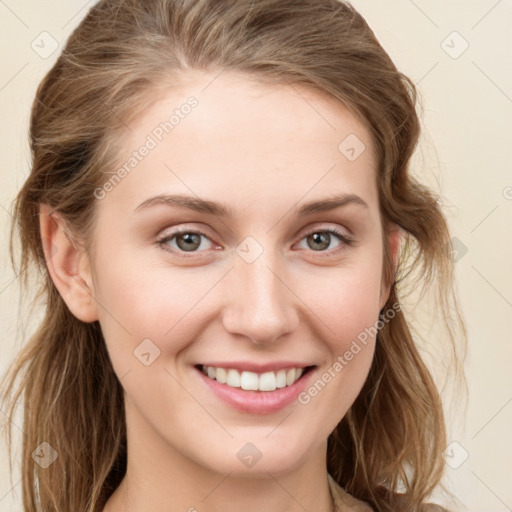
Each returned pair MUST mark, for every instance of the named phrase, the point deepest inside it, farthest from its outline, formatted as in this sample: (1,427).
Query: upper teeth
(251,381)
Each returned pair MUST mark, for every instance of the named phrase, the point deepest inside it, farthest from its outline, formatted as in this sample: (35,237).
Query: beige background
(466,150)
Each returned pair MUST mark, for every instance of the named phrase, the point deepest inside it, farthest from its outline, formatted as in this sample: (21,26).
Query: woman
(221,206)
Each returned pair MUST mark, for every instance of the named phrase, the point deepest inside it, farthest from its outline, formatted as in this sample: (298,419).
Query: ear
(68,265)
(394,240)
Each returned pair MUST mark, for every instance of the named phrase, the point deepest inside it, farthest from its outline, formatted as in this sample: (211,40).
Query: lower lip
(257,402)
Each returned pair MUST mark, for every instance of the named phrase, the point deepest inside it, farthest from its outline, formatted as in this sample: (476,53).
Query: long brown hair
(392,437)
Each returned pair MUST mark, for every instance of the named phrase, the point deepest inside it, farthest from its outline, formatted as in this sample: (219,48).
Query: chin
(257,458)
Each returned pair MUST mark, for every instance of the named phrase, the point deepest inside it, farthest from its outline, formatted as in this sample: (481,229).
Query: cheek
(347,298)
(351,312)
(348,305)
(141,302)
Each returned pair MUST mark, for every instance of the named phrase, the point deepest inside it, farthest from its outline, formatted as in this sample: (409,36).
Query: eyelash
(162,242)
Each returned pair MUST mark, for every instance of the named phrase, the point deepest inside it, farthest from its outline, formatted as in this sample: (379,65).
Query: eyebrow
(223,210)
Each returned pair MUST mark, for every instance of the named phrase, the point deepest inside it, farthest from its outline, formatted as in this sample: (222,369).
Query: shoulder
(402,503)
(431,507)
(344,501)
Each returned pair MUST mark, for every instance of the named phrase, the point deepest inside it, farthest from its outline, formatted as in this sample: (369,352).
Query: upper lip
(251,366)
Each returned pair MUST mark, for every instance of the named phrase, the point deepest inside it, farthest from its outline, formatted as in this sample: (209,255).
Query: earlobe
(68,265)
(394,241)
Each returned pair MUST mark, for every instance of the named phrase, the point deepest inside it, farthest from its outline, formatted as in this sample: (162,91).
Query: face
(252,280)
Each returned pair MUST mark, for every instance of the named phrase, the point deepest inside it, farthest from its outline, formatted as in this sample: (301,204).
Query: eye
(186,240)
(320,240)
(191,241)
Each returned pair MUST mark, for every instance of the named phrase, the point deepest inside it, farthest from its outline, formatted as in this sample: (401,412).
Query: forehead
(228,134)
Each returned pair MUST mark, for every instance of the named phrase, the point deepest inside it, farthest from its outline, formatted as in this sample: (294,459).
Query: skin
(264,150)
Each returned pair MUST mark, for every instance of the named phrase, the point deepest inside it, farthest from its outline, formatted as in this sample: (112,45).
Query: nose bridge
(259,305)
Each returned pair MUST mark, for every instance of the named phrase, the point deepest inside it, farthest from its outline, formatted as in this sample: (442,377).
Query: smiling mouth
(251,381)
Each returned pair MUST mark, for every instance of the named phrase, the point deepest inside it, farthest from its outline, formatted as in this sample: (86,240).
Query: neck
(225,493)
(162,477)
(153,482)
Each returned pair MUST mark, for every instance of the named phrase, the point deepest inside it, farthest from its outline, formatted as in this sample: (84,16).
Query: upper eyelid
(186,229)
(179,231)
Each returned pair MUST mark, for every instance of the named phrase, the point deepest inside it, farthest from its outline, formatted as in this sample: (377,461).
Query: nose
(259,300)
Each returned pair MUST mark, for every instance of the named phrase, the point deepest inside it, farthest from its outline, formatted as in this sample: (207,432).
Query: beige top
(344,501)
(347,503)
